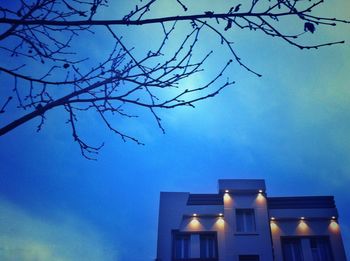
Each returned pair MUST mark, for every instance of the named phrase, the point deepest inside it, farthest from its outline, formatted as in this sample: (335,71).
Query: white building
(241,223)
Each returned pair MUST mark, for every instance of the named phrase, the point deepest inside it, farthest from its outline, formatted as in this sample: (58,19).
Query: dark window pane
(321,249)
(245,220)
(292,250)
(208,246)
(240,221)
(182,246)
(249,258)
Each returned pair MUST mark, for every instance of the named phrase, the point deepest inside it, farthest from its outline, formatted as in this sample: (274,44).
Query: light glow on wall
(227,199)
(334,226)
(274,227)
(195,224)
(220,223)
(303,226)
(260,199)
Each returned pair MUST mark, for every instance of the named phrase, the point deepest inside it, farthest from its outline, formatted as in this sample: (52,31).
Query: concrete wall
(246,194)
(257,243)
(219,216)
(316,222)
(171,209)
(175,214)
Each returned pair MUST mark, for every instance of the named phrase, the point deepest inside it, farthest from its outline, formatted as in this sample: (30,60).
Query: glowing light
(227,199)
(333,217)
(220,214)
(272,218)
(303,227)
(302,218)
(195,224)
(260,199)
(194,214)
(274,227)
(220,223)
(260,191)
(226,191)
(334,226)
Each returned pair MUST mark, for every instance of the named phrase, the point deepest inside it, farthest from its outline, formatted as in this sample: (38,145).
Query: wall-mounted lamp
(260,191)
(334,226)
(220,214)
(194,214)
(226,191)
(302,218)
(272,218)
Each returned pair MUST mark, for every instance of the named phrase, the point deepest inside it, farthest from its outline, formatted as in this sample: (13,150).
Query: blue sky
(289,127)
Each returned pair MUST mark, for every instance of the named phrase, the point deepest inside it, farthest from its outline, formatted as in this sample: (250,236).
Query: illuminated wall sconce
(303,226)
(220,222)
(195,224)
(227,197)
(274,226)
(260,198)
(334,227)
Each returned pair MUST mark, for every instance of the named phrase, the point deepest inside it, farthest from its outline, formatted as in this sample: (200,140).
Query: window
(320,249)
(196,246)
(245,220)
(249,258)
(291,248)
(316,246)
(182,246)
(208,246)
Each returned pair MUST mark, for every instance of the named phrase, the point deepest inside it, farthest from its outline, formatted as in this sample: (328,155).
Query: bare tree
(39,34)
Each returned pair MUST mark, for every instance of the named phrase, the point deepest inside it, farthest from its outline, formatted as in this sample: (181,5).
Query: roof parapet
(239,186)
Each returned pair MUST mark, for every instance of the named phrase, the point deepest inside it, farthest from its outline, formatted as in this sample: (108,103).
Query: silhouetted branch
(41,34)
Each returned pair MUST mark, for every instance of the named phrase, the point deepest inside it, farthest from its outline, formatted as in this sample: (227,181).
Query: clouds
(289,127)
(27,237)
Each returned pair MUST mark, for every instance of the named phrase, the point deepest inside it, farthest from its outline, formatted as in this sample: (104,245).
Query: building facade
(241,223)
